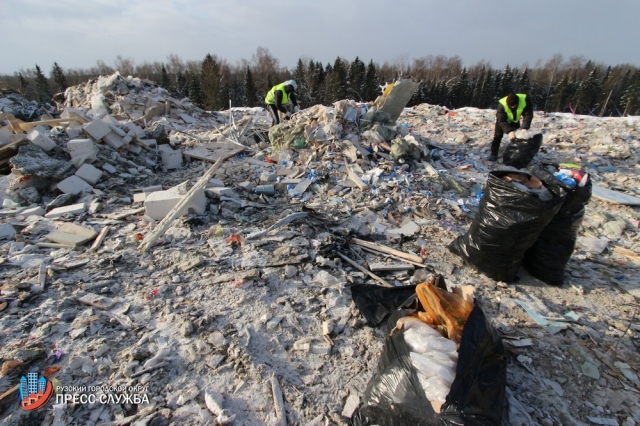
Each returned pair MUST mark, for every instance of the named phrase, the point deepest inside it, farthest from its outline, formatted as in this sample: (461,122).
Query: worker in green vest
(511,109)
(279,96)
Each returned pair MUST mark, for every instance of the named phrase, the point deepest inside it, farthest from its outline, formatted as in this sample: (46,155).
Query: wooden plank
(388,250)
(626,253)
(101,236)
(365,270)
(52,122)
(420,265)
(383,267)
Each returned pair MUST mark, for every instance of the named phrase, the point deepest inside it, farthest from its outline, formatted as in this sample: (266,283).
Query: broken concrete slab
(89,174)
(97,129)
(171,159)
(37,137)
(33,211)
(81,148)
(158,204)
(7,231)
(113,140)
(74,185)
(71,235)
(32,160)
(73,209)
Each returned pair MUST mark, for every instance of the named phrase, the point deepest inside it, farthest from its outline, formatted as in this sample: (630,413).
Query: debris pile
(206,260)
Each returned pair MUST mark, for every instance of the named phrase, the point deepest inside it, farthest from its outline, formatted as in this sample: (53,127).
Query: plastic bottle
(566,177)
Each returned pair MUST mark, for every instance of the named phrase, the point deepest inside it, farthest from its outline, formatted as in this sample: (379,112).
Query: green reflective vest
(521,104)
(270,99)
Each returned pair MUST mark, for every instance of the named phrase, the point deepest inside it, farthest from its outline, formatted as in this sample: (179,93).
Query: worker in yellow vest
(279,96)
(510,110)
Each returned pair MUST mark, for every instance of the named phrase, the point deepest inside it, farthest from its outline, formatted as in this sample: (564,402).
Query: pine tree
(355,79)
(301,76)
(24,85)
(317,74)
(336,86)
(44,93)
(505,82)
(181,88)
(225,88)
(164,79)
(460,90)
(524,84)
(210,77)
(250,92)
(587,94)
(370,87)
(59,78)
(631,98)
(195,91)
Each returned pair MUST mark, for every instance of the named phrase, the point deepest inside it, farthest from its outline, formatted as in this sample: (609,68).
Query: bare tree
(126,66)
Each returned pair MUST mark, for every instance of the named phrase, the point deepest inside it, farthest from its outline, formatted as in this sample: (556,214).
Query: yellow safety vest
(270,99)
(521,104)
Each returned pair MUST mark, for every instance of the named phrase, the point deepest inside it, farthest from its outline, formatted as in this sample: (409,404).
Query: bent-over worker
(279,96)
(510,109)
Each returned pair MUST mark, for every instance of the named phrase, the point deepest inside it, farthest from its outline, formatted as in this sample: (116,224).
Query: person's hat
(291,83)
(513,100)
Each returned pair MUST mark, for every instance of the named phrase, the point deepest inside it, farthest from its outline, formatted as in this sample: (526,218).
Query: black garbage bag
(394,396)
(548,257)
(520,152)
(507,224)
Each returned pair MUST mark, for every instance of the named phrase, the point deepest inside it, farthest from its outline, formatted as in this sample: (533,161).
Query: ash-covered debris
(241,286)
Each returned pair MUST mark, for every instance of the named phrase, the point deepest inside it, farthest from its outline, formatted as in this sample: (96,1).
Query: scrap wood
(420,265)
(626,253)
(14,145)
(52,122)
(180,207)
(365,270)
(278,402)
(383,267)
(388,250)
(101,236)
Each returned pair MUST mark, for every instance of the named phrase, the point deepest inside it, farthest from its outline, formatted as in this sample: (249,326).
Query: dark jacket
(278,95)
(503,121)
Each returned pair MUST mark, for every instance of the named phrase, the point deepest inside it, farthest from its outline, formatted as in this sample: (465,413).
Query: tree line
(572,85)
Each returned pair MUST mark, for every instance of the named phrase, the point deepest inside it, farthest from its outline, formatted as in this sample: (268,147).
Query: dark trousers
(498,134)
(273,111)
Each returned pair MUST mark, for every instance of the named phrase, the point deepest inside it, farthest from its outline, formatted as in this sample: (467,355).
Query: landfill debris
(236,286)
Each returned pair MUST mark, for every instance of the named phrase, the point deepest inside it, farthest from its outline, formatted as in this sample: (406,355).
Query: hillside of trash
(230,272)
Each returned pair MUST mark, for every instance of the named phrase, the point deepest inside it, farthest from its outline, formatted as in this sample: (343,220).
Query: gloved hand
(288,116)
(512,135)
(296,109)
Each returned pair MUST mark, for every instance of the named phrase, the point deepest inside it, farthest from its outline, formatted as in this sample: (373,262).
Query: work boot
(493,157)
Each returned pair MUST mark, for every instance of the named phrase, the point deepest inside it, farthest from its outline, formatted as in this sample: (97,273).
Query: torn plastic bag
(508,223)
(376,303)
(395,397)
(548,257)
(519,153)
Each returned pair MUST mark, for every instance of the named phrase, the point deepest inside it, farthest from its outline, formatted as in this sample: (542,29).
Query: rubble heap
(240,309)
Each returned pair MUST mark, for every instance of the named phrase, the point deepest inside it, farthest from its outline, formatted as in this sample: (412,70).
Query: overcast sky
(77,33)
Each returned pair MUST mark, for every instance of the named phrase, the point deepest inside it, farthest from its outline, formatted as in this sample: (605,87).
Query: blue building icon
(32,382)
(42,384)
(24,390)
